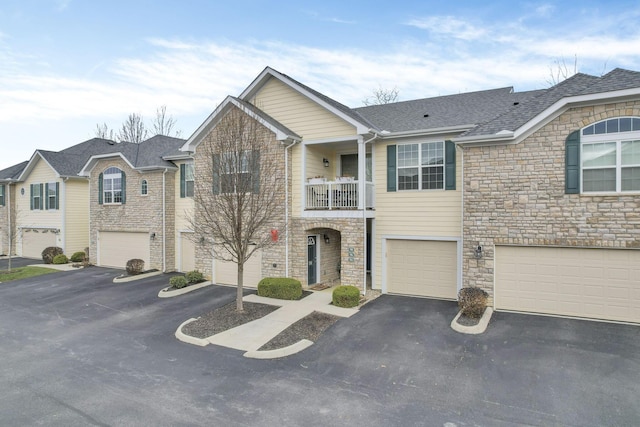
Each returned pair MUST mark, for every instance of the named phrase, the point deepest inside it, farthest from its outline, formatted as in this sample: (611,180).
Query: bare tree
(103,131)
(239,192)
(382,96)
(560,71)
(12,230)
(133,129)
(163,124)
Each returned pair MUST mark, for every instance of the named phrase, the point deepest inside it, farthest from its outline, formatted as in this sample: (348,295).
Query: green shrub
(60,259)
(346,296)
(135,266)
(280,287)
(49,253)
(472,302)
(178,282)
(77,257)
(194,277)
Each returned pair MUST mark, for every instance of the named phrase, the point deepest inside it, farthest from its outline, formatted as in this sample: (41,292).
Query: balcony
(334,195)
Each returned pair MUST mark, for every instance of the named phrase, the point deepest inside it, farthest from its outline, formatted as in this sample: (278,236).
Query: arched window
(112,187)
(610,156)
(144,187)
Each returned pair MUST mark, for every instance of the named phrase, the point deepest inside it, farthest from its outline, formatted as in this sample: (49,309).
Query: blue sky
(66,65)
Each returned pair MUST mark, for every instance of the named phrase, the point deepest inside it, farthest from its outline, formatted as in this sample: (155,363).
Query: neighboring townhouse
(8,231)
(131,201)
(424,197)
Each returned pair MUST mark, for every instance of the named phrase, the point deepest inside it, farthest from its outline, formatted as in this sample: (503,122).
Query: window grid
(112,186)
(36,196)
(421,166)
(144,187)
(51,196)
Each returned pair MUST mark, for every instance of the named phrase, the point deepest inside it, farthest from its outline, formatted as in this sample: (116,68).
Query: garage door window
(610,156)
(111,185)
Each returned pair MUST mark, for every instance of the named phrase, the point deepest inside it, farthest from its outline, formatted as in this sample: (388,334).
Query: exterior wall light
(325,162)
(326,239)
(477,252)
(153,236)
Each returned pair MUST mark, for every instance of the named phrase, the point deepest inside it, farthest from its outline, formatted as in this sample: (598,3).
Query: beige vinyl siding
(426,213)
(298,113)
(183,208)
(76,202)
(314,164)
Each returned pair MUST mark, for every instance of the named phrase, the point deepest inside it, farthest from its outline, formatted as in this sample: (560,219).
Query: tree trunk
(239,295)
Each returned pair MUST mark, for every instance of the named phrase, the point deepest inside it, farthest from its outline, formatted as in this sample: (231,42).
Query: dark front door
(312,257)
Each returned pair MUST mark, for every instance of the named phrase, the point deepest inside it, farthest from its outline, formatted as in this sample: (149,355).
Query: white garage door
(593,283)
(35,241)
(115,248)
(187,253)
(422,268)
(227,272)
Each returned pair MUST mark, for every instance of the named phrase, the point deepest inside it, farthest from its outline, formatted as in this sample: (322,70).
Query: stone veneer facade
(139,213)
(515,195)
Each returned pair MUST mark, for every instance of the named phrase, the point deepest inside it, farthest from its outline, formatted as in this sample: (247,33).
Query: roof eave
(427,132)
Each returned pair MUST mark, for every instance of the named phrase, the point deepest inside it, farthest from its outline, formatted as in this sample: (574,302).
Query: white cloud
(449,26)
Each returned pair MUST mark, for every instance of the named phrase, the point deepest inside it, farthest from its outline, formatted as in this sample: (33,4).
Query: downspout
(364,211)
(286,207)
(462,216)
(164,223)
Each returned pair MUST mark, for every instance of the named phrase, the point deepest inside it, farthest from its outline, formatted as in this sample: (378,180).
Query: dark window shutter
(182,180)
(215,179)
(450,165)
(31,195)
(391,167)
(124,187)
(46,198)
(3,192)
(572,163)
(41,198)
(255,170)
(100,189)
(57,195)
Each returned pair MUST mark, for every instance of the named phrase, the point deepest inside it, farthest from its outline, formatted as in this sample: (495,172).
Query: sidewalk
(253,335)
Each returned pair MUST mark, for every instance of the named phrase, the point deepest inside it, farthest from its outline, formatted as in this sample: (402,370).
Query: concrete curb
(475,329)
(187,338)
(280,352)
(164,293)
(125,279)
(59,267)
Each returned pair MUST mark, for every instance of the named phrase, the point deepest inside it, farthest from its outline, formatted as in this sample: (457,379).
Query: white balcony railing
(337,195)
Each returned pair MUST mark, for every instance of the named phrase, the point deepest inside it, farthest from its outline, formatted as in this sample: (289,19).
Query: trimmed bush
(280,287)
(49,253)
(77,257)
(472,302)
(60,259)
(135,266)
(346,296)
(178,282)
(194,277)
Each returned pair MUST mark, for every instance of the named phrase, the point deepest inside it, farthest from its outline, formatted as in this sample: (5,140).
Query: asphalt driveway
(77,349)
(18,262)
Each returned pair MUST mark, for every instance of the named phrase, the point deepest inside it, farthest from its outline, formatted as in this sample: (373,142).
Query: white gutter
(425,132)
(286,207)
(164,225)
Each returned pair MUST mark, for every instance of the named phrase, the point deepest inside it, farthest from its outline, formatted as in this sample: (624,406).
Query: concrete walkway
(253,335)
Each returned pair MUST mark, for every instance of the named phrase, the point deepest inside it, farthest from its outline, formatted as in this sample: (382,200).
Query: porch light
(153,235)
(326,239)
(477,252)
(325,162)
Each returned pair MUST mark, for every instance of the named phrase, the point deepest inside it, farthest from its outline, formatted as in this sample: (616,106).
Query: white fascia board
(251,90)
(551,112)
(425,132)
(91,163)
(178,157)
(32,163)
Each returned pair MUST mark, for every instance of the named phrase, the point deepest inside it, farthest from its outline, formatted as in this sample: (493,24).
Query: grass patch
(24,273)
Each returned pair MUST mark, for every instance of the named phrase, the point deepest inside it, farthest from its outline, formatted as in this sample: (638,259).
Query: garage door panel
(422,268)
(594,283)
(187,253)
(35,241)
(227,272)
(115,248)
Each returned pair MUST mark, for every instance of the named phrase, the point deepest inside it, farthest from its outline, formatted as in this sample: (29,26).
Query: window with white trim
(189,180)
(235,171)
(421,166)
(112,186)
(51,196)
(610,156)
(36,197)
(2,196)
(144,187)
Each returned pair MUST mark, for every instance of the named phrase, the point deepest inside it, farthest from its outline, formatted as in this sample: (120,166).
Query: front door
(312,258)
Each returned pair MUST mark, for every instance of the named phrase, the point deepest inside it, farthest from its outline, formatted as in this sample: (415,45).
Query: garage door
(116,248)
(34,242)
(593,283)
(422,268)
(187,253)
(227,272)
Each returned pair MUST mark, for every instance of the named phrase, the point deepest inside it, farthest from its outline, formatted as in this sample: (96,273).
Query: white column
(362,172)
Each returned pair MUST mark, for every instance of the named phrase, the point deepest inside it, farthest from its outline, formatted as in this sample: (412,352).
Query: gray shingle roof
(617,79)
(444,111)
(12,172)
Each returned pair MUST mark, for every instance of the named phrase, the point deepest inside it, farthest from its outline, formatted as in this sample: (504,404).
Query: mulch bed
(309,327)
(226,317)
